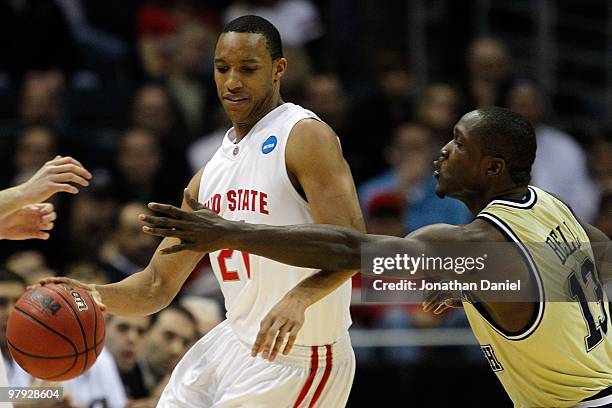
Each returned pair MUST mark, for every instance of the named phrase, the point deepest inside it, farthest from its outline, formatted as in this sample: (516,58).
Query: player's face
(124,336)
(246,76)
(459,169)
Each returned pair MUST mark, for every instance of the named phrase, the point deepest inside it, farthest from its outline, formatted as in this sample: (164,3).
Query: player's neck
(242,129)
(478,202)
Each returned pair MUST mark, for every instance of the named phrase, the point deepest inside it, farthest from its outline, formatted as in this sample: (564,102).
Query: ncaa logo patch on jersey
(269,144)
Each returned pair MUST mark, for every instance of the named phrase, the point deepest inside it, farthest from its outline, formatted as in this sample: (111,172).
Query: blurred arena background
(127,88)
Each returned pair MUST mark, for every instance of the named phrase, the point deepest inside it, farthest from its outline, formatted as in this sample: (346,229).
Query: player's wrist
(24,194)
(234,232)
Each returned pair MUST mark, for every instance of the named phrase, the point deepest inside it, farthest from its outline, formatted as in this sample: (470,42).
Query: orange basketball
(55,332)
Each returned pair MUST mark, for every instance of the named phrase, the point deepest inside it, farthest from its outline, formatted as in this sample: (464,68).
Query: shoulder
(476,231)
(312,139)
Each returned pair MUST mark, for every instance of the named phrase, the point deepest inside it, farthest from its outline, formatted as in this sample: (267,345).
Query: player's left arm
(316,166)
(602,249)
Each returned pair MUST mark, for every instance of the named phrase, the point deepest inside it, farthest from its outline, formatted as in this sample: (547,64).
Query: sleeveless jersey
(565,353)
(248,181)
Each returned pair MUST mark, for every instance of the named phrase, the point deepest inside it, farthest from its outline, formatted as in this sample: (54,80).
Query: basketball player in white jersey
(278,164)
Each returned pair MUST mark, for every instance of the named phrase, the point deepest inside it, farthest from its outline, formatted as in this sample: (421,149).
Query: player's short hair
(258,25)
(177,307)
(508,135)
(110,317)
(7,275)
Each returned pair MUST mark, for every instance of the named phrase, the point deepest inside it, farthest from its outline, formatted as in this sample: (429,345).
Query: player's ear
(495,166)
(280,66)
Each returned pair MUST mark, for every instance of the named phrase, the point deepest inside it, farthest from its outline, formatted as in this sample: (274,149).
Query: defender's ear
(496,166)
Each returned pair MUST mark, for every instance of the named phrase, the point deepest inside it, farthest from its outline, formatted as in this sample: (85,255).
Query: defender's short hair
(258,25)
(508,135)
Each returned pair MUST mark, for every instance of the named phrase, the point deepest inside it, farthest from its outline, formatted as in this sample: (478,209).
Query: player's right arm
(153,288)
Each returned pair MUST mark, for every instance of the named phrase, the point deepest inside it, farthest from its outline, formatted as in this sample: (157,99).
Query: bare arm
(151,289)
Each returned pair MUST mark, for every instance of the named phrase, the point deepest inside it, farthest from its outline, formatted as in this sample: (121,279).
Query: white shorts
(218,371)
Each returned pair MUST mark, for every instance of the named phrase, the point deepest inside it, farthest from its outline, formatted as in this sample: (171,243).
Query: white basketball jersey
(248,181)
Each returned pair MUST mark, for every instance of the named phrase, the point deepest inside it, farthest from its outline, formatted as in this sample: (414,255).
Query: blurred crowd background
(126,87)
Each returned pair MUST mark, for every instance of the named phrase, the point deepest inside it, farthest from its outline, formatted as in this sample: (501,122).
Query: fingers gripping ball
(55,332)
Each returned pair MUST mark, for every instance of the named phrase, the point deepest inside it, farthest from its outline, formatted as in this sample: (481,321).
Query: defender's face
(243,75)
(459,169)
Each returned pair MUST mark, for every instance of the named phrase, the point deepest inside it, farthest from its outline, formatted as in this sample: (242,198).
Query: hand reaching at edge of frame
(53,177)
(28,222)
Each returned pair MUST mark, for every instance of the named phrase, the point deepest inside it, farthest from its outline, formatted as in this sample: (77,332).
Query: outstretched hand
(28,222)
(57,175)
(198,230)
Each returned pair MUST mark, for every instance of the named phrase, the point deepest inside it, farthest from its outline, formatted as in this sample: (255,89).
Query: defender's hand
(29,222)
(285,318)
(441,301)
(199,230)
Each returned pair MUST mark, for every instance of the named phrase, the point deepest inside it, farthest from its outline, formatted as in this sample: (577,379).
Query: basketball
(55,332)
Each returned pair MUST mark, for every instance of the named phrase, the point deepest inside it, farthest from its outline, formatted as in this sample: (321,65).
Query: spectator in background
(410,155)
(31,265)
(173,330)
(207,312)
(193,51)
(128,250)
(157,25)
(489,73)
(99,386)
(386,214)
(12,287)
(41,100)
(325,94)
(35,146)
(395,88)
(139,175)
(154,110)
(91,220)
(560,166)
(125,336)
(439,108)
